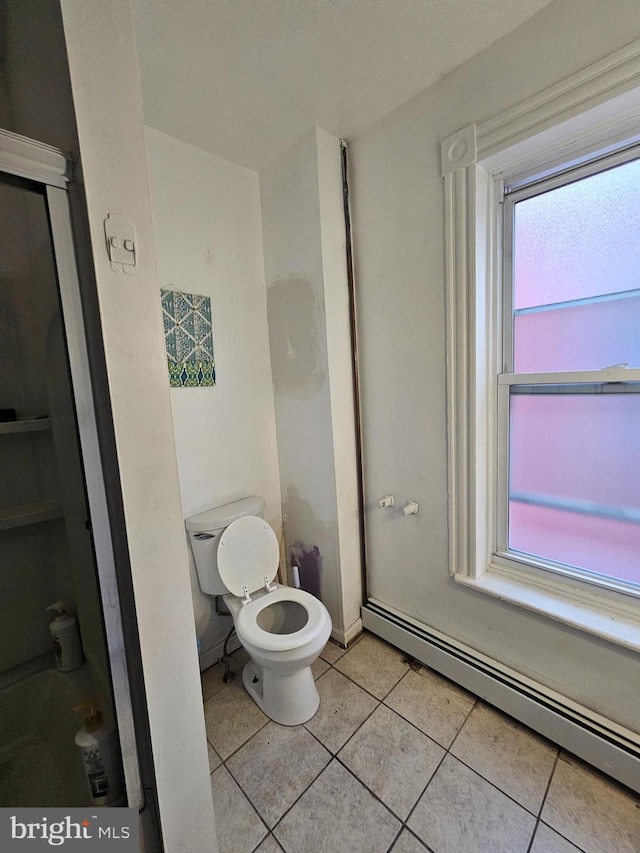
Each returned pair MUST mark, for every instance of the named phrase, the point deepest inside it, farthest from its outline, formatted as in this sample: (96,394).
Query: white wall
(399,259)
(208,234)
(305,267)
(108,108)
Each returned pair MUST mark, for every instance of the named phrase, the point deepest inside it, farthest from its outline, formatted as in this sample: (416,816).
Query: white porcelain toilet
(283,630)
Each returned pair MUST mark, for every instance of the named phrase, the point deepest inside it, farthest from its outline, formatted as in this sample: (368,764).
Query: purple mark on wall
(309,564)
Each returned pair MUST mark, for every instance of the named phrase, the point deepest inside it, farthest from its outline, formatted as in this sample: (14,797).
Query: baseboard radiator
(600,742)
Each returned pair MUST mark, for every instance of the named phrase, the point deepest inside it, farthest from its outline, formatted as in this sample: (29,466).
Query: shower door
(55,540)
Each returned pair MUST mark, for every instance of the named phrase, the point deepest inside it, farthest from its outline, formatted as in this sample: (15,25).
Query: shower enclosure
(54,530)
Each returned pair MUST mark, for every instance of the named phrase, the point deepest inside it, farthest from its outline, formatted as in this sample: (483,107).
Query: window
(542,236)
(569,390)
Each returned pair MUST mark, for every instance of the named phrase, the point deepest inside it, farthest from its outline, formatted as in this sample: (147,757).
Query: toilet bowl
(282,629)
(296,628)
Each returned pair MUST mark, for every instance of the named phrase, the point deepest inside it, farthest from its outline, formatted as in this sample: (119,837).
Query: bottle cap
(58,606)
(92,716)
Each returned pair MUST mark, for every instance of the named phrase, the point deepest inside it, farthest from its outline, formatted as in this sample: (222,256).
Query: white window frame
(596,110)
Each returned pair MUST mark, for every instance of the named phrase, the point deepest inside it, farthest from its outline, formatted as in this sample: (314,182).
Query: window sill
(608,623)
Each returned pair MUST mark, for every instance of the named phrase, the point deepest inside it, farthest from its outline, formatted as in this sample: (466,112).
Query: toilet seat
(248,629)
(248,555)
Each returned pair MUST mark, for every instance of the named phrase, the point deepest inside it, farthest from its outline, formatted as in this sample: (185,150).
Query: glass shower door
(47,550)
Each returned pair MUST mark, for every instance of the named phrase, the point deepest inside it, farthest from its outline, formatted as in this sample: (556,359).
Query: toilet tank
(204,531)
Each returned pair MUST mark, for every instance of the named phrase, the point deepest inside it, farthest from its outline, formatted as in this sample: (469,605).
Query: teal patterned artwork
(188,339)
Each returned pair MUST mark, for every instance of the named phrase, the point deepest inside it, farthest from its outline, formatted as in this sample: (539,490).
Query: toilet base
(288,699)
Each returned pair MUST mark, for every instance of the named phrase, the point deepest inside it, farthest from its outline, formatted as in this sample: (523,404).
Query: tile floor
(399,759)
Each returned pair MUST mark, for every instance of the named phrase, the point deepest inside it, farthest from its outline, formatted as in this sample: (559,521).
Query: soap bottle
(100,752)
(66,639)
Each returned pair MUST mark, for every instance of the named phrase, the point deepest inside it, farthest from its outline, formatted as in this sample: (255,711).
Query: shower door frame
(33,162)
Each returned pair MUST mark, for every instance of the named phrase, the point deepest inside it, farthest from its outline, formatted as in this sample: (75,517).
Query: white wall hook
(411,508)
(387,500)
(121,243)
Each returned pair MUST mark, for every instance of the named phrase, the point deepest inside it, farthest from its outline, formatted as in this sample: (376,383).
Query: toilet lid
(247,552)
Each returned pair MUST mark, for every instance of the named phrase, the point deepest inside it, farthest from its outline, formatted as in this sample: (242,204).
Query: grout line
(244,743)
(248,799)
(544,799)
(331,757)
(354,732)
(422,793)
(414,726)
(337,758)
(316,738)
(412,834)
(362,687)
(403,823)
(570,758)
(564,837)
(373,793)
(395,839)
(493,785)
(262,840)
(300,796)
(549,781)
(533,835)
(457,734)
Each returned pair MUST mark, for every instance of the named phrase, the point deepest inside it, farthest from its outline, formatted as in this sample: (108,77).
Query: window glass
(574,478)
(576,274)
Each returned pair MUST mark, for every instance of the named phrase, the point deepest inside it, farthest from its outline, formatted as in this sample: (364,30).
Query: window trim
(597,109)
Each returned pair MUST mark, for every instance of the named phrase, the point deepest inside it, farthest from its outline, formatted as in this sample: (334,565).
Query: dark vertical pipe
(355,371)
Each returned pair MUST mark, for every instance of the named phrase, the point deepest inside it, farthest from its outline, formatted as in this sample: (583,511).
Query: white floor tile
(591,812)
(462,813)
(214,758)
(269,845)
(373,665)
(238,827)
(231,718)
(393,759)
(337,813)
(343,708)
(548,841)
(474,797)
(332,652)
(513,758)
(276,766)
(408,843)
(437,707)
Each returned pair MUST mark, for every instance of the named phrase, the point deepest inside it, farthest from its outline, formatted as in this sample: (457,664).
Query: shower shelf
(19,516)
(26,425)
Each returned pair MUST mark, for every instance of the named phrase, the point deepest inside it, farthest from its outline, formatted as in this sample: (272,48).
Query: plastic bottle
(66,638)
(100,753)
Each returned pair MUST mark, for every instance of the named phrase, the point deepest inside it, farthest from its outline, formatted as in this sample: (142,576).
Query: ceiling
(245,79)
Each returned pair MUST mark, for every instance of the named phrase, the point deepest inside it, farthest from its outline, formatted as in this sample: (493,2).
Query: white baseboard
(601,742)
(344,636)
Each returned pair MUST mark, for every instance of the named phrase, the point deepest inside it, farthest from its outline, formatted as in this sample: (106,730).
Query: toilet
(283,630)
